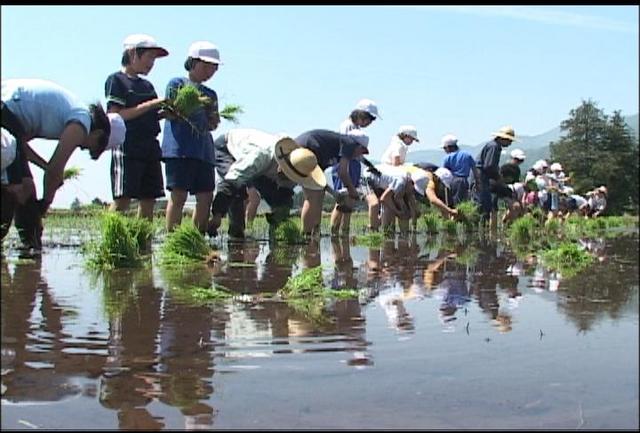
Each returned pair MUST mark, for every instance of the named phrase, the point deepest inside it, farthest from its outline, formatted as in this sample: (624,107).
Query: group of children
(249,163)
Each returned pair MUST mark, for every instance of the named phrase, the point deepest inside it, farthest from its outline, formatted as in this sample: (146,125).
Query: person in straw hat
(330,148)
(488,163)
(272,163)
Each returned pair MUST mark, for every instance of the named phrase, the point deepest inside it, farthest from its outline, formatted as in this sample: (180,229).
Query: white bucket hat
(369,106)
(140,40)
(205,51)
(444,175)
(555,167)
(299,164)
(118,131)
(409,130)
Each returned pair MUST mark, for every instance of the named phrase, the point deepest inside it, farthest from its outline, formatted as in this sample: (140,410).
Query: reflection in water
(149,349)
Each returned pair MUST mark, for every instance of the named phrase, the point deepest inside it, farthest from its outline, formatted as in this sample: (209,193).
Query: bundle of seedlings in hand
(230,112)
(186,101)
(71,173)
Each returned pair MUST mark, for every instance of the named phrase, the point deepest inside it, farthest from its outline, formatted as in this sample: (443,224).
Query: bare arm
(138,110)
(72,136)
(433,198)
(33,156)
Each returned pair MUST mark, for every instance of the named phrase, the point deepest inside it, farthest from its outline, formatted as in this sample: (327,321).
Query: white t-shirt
(580,201)
(390,177)
(396,148)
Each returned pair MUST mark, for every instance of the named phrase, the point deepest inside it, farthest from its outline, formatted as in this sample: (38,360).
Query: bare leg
(175,205)
(203,207)
(145,208)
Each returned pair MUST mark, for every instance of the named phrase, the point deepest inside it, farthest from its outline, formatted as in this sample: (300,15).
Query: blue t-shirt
(459,163)
(179,139)
(44,108)
(141,140)
(328,146)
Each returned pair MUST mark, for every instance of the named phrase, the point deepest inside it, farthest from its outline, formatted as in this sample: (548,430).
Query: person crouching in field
(330,148)
(35,108)
(391,188)
(435,186)
(272,163)
(187,148)
(136,171)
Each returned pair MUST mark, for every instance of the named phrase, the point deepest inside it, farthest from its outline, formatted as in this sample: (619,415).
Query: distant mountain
(534,146)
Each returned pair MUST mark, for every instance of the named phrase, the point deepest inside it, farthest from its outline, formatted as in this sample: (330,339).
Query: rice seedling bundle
(117,247)
(71,173)
(289,232)
(184,245)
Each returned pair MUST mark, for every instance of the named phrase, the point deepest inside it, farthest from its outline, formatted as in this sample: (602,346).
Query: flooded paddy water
(439,337)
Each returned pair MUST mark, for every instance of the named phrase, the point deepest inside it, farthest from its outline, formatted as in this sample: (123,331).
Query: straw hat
(299,164)
(506,132)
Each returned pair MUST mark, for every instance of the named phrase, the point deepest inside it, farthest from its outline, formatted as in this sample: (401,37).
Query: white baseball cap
(140,40)
(409,130)
(449,140)
(445,176)
(540,165)
(360,137)
(369,106)
(518,154)
(118,131)
(205,51)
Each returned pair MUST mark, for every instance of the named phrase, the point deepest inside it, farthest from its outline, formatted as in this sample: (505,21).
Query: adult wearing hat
(272,163)
(396,152)
(330,148)
(187,146)
(487,163)
(461,164)
(35,108)
(136,171)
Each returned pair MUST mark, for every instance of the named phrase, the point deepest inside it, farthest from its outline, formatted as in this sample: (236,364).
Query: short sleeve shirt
(488,160)
(44,108)
(396,148)
(328,146)
(253,151)
(125,91)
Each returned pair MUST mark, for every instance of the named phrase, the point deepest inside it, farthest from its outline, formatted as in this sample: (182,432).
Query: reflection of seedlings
(461,233)
(198,295)
(306,294)
(374,239)
(122,240)
(468,257)
(449,226)
(184,245)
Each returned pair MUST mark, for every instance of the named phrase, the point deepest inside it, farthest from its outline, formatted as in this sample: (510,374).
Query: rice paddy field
(118,325)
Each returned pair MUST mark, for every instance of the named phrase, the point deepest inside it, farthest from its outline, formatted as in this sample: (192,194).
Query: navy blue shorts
(135,178)
(192,175)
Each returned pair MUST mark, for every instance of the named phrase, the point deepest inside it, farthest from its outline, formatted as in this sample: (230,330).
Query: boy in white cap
(461,164)
(434,186)
(390,187)
(396,152)
(34,108)
(136,171)
(188,153)
(362,116)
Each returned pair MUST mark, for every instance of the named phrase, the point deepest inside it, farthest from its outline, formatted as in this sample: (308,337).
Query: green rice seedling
(553,227)
(568,258)
(230,112)
(523,230)
(468,257)
(184,245)
(449,226)
(141,229)
(468,214)
(201,295)
(432,221)
(117,246)
(373,239)
(307,283)
(289,231)
(71,173)
(187,100)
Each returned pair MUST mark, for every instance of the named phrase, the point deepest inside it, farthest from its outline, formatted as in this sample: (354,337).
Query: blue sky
(462,70)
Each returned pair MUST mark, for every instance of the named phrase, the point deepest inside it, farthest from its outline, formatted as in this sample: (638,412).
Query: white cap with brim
(118,131)
(140,40)
(409,130)
(299,164)
(368,106)
(205,51)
